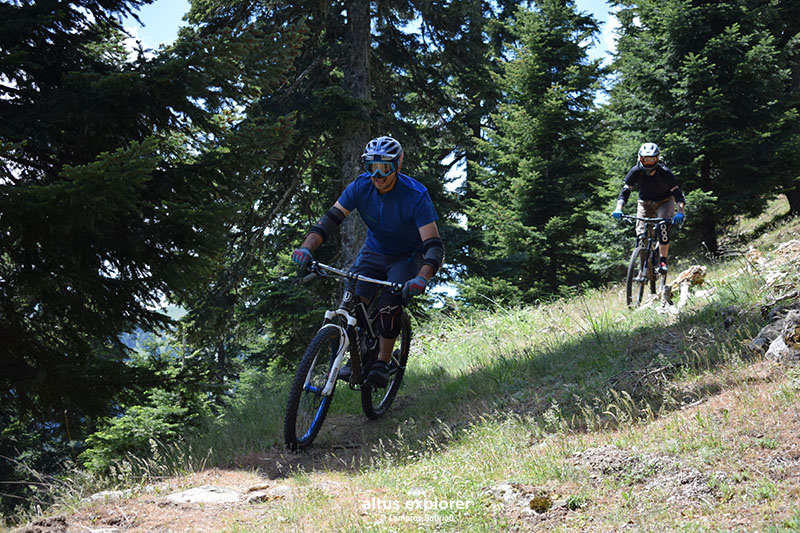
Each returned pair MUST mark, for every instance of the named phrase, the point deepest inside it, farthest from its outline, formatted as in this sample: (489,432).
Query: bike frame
(649,223)
(343,320)
(649,242)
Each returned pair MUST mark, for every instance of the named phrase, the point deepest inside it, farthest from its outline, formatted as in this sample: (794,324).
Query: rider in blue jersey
(402,244)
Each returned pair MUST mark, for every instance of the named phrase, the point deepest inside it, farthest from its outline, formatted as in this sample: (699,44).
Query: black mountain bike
(348,328)
(643,268)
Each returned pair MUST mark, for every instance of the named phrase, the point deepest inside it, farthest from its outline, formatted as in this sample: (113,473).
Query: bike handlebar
(321,269)
(643,219)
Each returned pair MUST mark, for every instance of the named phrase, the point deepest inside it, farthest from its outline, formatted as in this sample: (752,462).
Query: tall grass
(511,394)
(580,362)
(251,421)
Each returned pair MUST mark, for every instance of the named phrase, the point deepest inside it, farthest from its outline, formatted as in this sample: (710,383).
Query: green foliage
(166,413)
(608,246)
(531,198)
(135,432)
(123,181)
(251,418)
(489,293)
(292,312)
(708,82)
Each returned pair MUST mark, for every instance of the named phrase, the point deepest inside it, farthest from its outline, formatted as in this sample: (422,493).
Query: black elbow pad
(624,194)
(433,253)
(328,223)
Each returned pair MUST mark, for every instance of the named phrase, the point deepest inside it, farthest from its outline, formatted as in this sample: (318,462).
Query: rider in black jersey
(659,196)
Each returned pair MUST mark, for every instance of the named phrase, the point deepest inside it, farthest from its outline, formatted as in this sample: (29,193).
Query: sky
(162,19)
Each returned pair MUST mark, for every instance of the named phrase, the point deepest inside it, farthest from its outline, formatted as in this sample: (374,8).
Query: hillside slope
(577,414)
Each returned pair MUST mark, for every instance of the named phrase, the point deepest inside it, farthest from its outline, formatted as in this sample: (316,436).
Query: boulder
(205,494)
(785,348)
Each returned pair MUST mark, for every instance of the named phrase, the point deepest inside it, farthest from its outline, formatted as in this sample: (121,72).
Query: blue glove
(302,257)
(617,214)
(414,287)
(678,218)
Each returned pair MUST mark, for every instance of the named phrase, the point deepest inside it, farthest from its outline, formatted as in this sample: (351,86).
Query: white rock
(205,494)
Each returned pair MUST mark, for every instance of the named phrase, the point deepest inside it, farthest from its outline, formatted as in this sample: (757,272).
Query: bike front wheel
(662,288)
(375,401)
(307,407)
(652,271)
(637,277)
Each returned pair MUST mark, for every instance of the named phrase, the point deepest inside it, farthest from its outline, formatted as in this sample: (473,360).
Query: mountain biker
(402,244)
(659,196)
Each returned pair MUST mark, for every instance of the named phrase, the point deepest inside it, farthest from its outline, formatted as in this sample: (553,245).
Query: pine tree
(123,179)
(540,177)
(702,79)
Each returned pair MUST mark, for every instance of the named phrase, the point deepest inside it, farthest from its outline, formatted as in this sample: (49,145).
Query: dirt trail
(256,478)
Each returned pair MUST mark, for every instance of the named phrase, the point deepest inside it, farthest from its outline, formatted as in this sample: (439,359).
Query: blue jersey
(393,219)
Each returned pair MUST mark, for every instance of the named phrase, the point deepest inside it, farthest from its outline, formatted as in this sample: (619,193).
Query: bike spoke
(307,407)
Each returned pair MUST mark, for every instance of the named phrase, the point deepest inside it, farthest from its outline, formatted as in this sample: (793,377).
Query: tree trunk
(708,230)
(474,117)
(222,360)
(706,217)
(793,196)
(357,85)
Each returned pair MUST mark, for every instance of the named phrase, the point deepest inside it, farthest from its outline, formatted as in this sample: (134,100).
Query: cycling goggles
(649,161)
(384,168)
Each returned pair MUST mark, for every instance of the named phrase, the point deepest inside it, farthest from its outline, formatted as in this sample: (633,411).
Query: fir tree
(540,177)
(124,177)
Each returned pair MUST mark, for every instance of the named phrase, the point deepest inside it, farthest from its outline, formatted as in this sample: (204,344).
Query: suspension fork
(344,344)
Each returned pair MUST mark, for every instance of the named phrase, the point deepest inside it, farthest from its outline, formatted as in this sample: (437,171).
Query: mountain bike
(642,270)
(346,329)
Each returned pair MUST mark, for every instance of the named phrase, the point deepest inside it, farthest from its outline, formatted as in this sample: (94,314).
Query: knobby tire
(375,401)
(637,277)
(306,409)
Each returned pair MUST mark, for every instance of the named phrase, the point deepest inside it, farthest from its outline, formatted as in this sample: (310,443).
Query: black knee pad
(389,309)
(663,233)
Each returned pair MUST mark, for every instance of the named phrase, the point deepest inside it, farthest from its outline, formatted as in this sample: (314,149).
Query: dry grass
(578,415)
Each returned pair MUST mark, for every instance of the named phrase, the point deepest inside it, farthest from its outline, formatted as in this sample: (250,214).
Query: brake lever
(314,268)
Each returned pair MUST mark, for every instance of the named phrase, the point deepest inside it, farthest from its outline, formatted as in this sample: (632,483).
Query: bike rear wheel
(637,277)
(307,408)
(376,401)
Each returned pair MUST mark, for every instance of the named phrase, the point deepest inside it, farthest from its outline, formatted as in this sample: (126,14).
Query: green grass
(514,394)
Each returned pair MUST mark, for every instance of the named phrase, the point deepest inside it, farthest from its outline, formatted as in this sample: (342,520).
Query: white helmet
(649,150)
(382,149)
